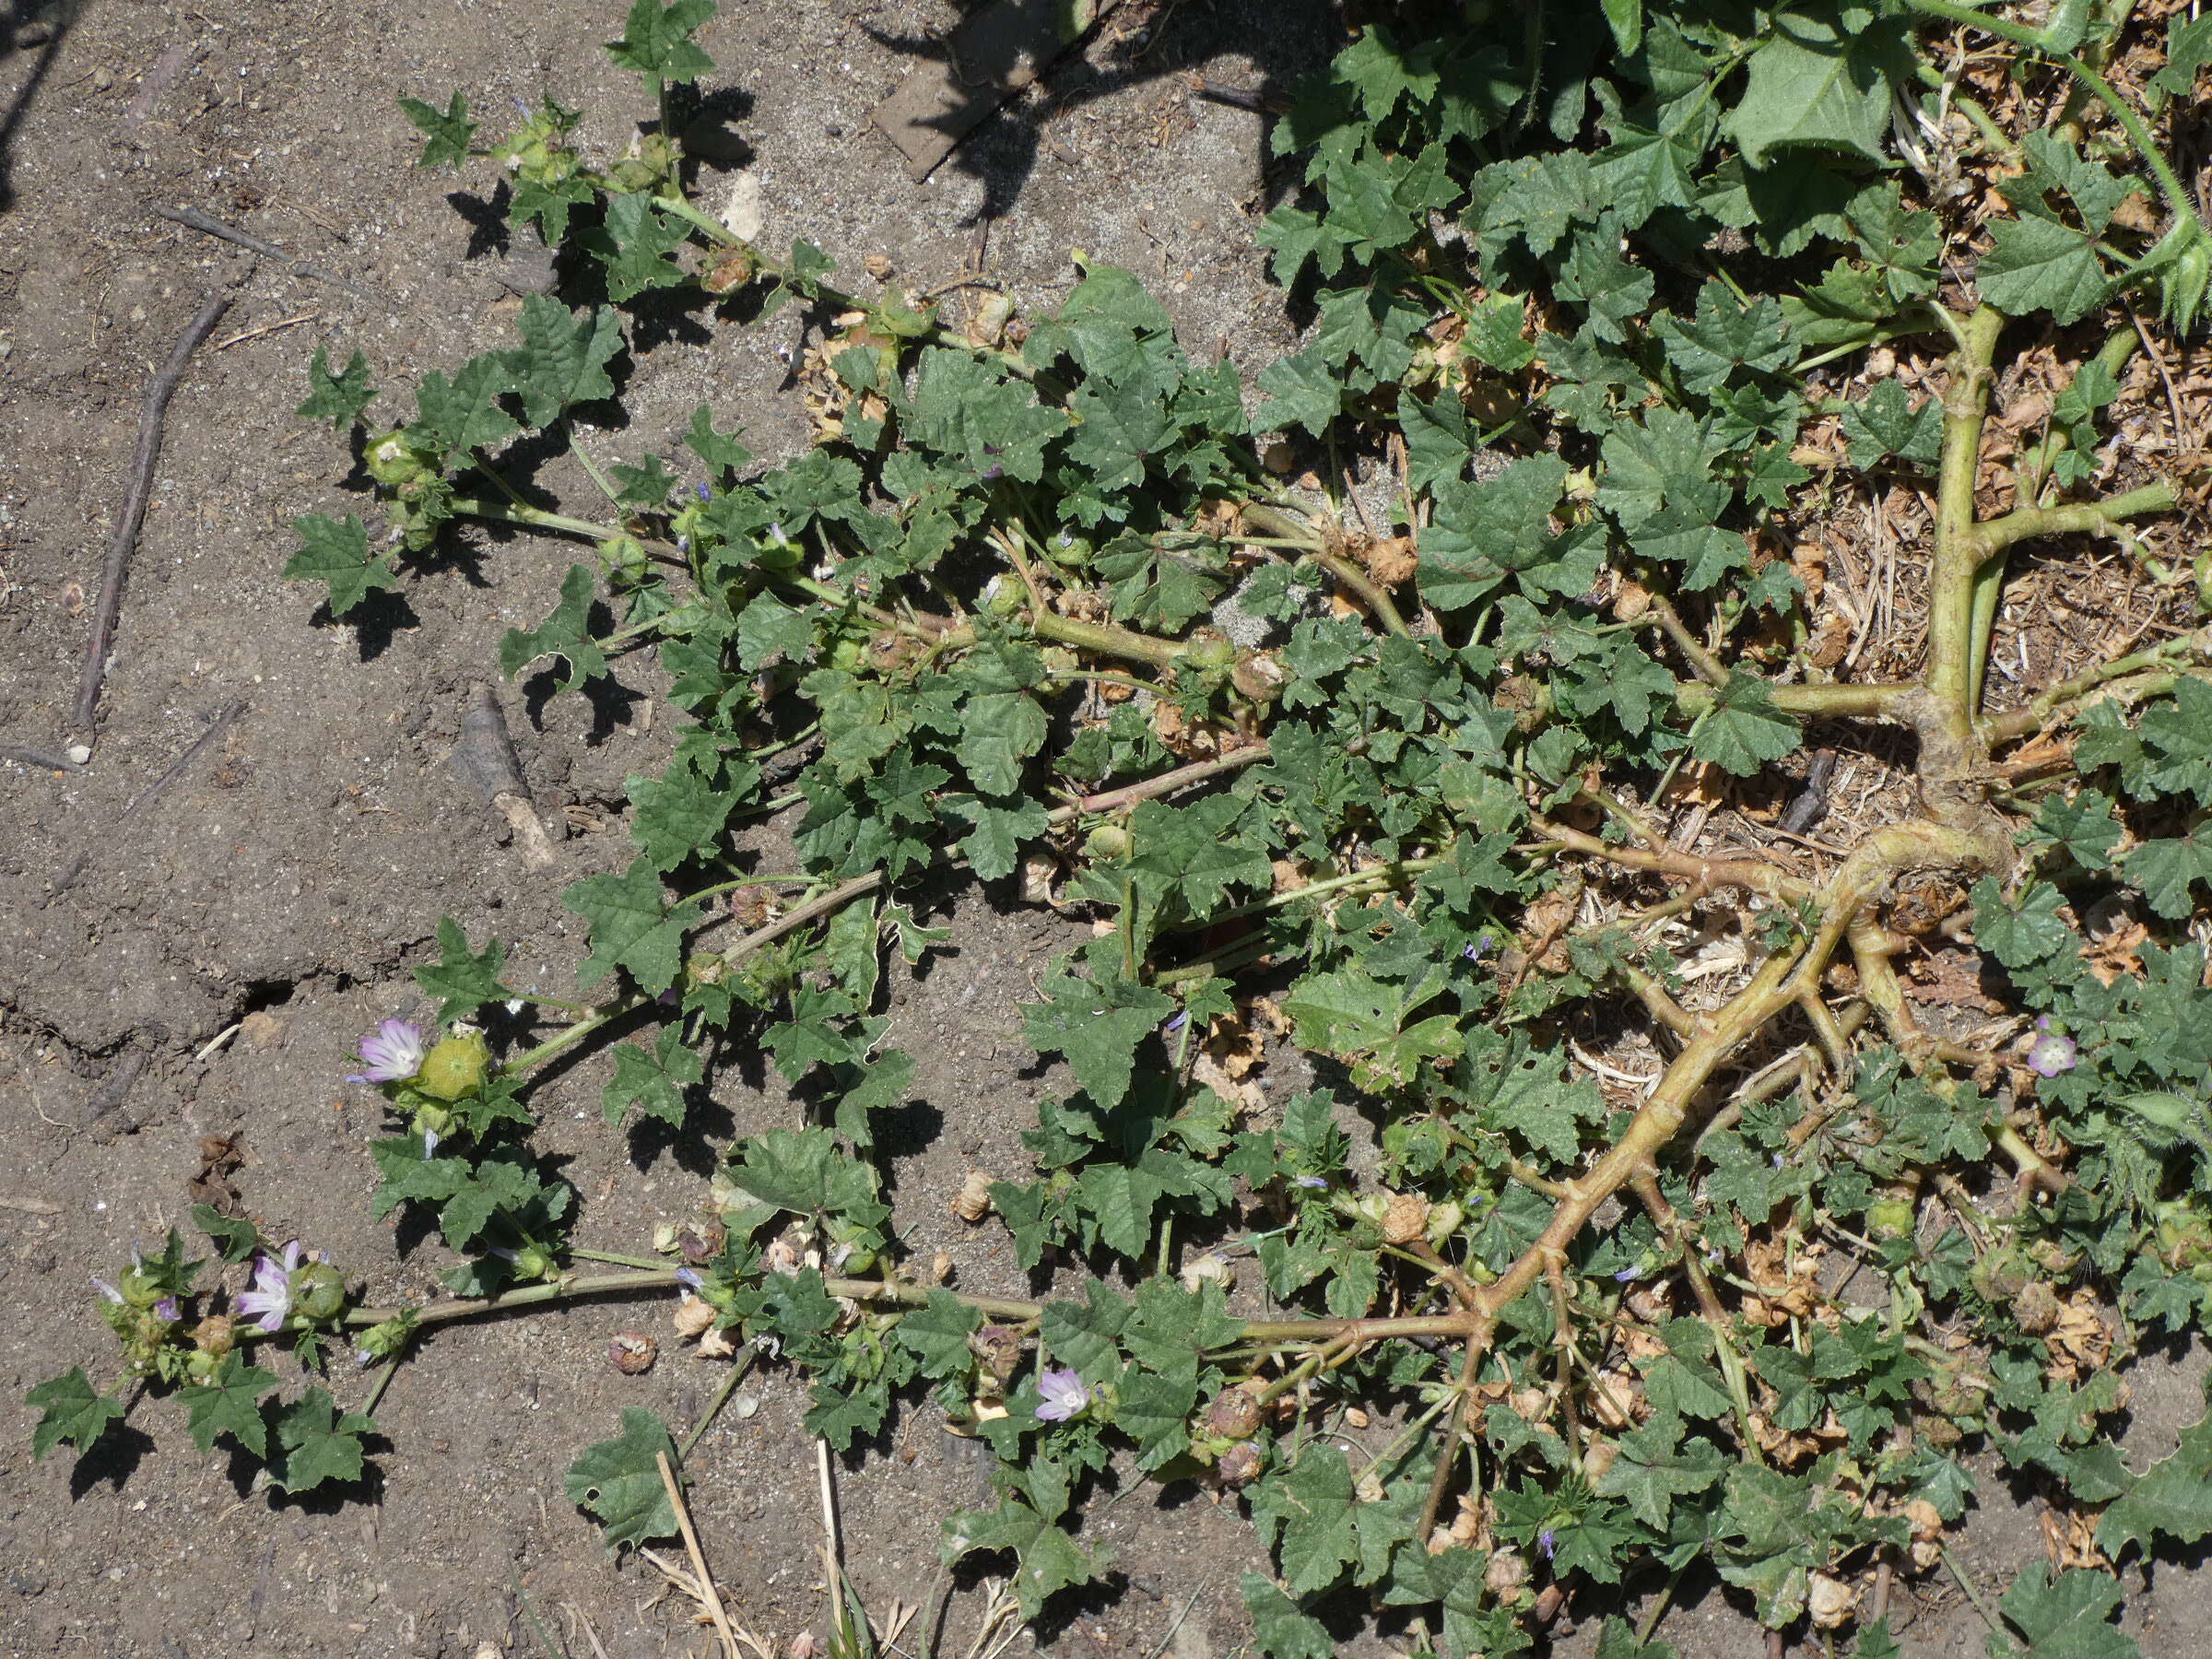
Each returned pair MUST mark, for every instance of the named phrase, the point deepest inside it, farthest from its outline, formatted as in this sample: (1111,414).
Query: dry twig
(133,509)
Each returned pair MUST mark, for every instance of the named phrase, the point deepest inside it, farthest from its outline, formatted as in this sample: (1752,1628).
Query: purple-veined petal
(1063,1396)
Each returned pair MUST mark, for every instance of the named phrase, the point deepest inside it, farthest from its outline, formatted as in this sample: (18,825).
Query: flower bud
(386,1340)
(731,272)
(456,1069)
(1259,677)
(1890,1218)
(1214,657)
(624,555)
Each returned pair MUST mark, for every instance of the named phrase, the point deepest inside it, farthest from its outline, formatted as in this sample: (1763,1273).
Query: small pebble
(80,753)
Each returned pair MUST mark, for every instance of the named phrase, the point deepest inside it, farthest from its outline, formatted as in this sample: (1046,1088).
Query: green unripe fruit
(1109,843)
(392,459)
(1212,656)
(624,555)
(1068,551)
(456,1069)
(318,1292)
(1890,1218)
(140,1289)
(1002,597)
(434,1121)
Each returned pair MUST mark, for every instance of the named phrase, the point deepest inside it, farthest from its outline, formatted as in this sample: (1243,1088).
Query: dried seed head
(1406,1219)
(1234,1415)
(1829,1601)
(632,1353)
(1208,1269)
(700,1241)
(974,1200)
(1240,1465)
(692,1316)
(998,1348)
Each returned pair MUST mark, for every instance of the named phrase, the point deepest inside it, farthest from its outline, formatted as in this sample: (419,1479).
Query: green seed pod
(318,1292)
(456,1069)
(395,460)
(1214,657)
(1109,843)
(1890,1218)
(624,555)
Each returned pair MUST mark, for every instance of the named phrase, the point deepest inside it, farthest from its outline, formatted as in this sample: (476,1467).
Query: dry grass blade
(705,1592)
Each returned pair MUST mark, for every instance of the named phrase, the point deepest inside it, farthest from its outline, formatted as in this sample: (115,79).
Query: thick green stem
(1106,640)
(526,1295)
(536,518)
(575,1033)
(2076,518)
(1958,553)
(1824,701)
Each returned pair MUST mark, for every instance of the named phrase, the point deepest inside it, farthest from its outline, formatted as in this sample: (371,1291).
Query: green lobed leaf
(653,1080)
(633,926)
(634,243)
(1048,1559)
(340,398)
(566,633)
(316,1444)
(563,358)
(448,131)
(1283,1629)
(2035,264)
(463,981)
(1744,731)
(228,1403)
(1823,79)
(656,41)
(1098,1027)
(618,1481)
(336,551)
(2068,1616)
(464,414)
(70,1410)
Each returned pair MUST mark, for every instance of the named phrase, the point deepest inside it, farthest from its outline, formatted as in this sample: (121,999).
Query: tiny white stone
(80,752)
